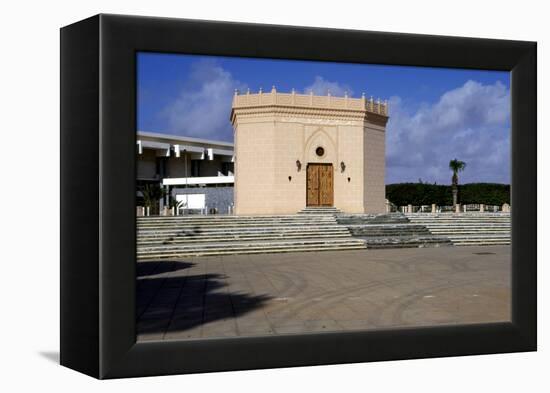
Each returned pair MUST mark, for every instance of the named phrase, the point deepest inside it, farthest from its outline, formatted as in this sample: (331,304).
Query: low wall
(220,198)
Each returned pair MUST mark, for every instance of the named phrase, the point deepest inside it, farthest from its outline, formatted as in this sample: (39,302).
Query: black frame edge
(79,147)
(215,355)
(524,196)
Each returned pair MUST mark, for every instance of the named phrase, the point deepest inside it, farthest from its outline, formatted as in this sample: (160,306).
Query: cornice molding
(281,112)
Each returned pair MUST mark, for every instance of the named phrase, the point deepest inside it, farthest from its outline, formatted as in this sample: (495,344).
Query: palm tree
(456,166)
(152,193)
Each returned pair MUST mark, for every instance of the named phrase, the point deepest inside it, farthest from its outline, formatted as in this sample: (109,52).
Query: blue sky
(436,114)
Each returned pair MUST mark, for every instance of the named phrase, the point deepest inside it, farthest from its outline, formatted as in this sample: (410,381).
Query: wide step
(407,242)
(250,247)
(321,210)
(185,236)
(206,239)
(467,229)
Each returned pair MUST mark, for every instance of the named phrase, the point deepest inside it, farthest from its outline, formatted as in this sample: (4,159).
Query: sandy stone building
(296,150)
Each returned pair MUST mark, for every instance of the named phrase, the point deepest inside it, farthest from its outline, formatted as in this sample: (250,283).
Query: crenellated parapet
(339,106)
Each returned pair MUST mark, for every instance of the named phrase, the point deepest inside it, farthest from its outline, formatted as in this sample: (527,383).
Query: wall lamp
(298,165)
(342,166)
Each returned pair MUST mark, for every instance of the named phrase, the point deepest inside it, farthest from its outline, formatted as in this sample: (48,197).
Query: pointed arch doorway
(320,185)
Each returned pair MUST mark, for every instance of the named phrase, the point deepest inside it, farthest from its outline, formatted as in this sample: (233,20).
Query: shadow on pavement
(180,303)
(150,268)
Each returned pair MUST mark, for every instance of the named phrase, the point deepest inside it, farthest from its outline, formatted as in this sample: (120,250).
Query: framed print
(239,196)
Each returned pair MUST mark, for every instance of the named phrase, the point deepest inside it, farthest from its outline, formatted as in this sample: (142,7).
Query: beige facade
(278,136)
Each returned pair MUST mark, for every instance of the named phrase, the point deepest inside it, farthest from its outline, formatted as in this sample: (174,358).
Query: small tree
(174,203)
(456,166)
(152,193)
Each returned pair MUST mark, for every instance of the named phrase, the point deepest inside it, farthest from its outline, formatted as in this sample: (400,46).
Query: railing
(182,209)
(479,208)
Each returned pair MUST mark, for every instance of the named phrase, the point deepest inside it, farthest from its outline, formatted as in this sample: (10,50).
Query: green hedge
(425,194)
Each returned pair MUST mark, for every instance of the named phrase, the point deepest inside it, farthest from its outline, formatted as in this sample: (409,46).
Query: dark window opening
(161,170)
(195,168)
(226,168)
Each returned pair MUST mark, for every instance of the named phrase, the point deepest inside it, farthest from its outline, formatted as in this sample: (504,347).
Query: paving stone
(298,293)
(254,330)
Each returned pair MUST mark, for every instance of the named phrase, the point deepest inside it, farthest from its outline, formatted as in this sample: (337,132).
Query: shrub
(425,194)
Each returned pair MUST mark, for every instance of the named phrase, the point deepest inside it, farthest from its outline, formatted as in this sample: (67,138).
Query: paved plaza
(267,294)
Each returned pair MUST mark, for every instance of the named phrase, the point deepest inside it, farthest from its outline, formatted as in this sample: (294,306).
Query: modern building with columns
(296,150)
(197,172)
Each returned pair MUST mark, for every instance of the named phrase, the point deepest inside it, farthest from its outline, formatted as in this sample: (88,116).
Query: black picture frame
(98,237)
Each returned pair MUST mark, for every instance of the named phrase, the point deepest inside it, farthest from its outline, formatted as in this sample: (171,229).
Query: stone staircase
(313,229)
(467,229)
(392,230)
(185,236)
(319,210)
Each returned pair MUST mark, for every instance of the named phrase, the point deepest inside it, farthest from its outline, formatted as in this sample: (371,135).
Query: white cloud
(321,87)
(203,105)
(470,123)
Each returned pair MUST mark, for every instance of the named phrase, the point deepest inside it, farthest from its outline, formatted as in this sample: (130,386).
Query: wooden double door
(320,185)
